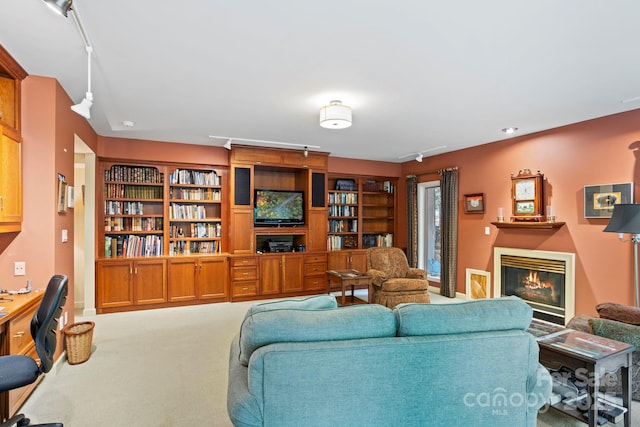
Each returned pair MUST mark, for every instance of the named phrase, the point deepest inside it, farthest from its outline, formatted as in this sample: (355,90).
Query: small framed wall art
(600,199)
(474,203)
(478,284)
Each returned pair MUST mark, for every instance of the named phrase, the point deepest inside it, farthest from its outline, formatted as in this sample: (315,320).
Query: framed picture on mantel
(599,200)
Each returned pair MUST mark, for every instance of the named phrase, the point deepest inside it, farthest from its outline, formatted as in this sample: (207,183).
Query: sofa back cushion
(294,325)
(317,302)
(619,312)
(497,314)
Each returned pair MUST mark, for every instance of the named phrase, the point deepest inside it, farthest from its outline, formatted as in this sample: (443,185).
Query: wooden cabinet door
(292,273)
(359,260)
(270,274)
(182,279)
(317,234)
(338,260)
(213,276)
(150,281)
(241,231)
(10,183)
(114,284)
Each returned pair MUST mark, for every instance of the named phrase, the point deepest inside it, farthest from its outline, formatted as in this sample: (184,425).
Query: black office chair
(18,371)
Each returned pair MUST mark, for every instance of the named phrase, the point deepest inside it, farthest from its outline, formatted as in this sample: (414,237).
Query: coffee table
(349,279)
(590,356)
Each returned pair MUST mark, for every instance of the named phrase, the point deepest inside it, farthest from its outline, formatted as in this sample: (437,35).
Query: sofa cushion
(498,314)
(615,330)
(293,325)
(318,302)
(621,313)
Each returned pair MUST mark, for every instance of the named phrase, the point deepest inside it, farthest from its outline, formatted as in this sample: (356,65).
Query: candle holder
(551,218)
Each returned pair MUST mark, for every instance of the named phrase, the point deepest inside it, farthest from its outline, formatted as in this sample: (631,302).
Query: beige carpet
(158,368)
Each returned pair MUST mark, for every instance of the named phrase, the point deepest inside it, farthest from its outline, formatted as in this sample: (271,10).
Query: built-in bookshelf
(133,211)
(363,215)
(195,212)
(148,216)
(343,217)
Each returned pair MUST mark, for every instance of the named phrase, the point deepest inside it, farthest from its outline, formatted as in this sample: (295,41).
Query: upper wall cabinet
(11,74)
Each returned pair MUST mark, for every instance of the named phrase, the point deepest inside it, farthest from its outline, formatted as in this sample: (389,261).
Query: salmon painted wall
(598,151)
(48,129)
(155,151)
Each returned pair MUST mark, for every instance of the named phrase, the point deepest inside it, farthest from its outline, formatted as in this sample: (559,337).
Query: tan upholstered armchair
(394,282)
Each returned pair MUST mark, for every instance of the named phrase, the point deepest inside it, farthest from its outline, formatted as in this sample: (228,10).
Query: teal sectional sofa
(309,363)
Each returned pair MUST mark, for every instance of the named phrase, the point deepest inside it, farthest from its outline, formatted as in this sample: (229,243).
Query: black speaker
(242,184)
(317,190)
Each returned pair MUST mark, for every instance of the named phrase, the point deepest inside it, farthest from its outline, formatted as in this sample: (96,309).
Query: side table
(589,356)
(349,279)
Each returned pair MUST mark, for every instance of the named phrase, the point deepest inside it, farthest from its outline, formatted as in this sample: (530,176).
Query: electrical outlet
(19,268)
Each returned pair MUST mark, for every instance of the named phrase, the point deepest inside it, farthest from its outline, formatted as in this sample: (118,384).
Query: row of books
(197,230)
(178,211)
(376,240)
(341,225)
(129,191)
(340,242)
(133,174)
(188,248)
(132,224)
(114,207)
(213,194)
(344,198)
(335,210)
(132,246)
(188,176)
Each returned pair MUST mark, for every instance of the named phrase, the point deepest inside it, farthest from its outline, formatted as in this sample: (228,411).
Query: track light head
(227,145)
(306,151)
(84,107)
(61,7)
(419,158)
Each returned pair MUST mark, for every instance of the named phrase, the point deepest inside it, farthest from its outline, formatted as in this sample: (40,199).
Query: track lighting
(306,151)
(419,157)
(84,107)
(61,7)
(227,145)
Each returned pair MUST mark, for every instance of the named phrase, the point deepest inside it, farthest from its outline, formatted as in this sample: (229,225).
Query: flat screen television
(278,207)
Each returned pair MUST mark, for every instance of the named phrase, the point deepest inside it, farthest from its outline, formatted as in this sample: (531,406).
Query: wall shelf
(530,225)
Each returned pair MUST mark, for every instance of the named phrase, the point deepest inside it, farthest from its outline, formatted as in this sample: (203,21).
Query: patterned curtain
(412,220)
(449,231)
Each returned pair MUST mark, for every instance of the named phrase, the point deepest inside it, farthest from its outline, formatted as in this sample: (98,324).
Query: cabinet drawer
(244,273)
(315,258)
(315,283)
(315,268)
(244,262)
(20,330)
(245,288)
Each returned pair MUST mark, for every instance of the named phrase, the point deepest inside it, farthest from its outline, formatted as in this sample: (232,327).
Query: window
(429,228)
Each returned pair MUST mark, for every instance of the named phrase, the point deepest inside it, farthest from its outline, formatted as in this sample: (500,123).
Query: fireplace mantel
(530,225)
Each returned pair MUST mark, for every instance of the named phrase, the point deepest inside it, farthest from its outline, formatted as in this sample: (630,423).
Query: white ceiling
(418,74)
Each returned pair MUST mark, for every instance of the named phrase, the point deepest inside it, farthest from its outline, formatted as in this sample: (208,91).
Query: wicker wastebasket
(77,338)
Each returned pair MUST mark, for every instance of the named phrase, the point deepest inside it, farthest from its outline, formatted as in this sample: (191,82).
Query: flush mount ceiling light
(61,7)
(335,116)
(509,131)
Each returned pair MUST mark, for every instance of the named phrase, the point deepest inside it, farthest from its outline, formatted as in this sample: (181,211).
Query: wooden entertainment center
(179,234)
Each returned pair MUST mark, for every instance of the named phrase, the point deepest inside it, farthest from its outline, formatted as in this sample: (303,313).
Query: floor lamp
(626,219)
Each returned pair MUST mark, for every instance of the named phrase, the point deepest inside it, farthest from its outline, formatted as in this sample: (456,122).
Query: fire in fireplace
(543,279)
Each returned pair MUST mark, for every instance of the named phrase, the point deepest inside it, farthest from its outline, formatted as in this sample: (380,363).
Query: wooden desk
(349,278)
(15,338)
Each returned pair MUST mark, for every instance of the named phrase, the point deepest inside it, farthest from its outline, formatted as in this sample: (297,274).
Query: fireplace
(544,279)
